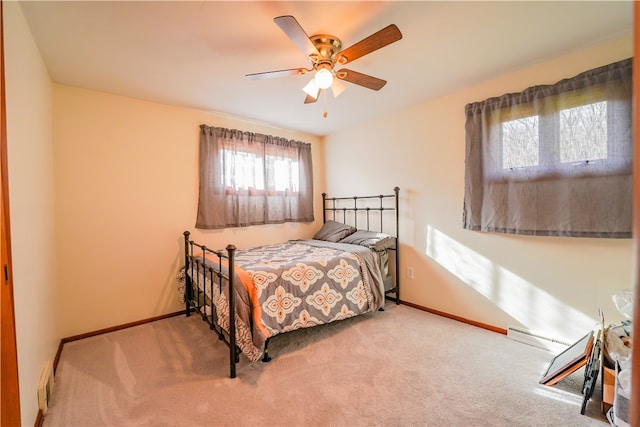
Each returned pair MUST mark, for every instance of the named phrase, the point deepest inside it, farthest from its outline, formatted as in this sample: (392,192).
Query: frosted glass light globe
(324,78)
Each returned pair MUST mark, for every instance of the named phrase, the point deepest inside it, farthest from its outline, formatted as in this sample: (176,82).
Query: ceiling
(196,54)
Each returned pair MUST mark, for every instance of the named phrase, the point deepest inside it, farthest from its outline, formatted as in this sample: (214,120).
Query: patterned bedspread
(299,284)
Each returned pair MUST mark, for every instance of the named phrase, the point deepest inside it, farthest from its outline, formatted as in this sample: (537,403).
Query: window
(553,159)
(583,133)
(582,137)
(245,171)
(248,179)
(520,145)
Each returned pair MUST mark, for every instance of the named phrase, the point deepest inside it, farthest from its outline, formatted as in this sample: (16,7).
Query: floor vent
(531,338)
(45,387)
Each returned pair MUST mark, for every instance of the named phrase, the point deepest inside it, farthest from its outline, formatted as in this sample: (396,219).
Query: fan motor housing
(327,45)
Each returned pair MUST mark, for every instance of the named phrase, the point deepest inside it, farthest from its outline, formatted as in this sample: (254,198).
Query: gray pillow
(371,239)
(333,231)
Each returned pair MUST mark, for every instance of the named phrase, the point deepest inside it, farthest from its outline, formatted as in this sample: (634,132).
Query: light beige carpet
(394,368)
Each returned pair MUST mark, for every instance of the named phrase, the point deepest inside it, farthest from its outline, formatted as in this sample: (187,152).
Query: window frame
(265,189)
(549,122)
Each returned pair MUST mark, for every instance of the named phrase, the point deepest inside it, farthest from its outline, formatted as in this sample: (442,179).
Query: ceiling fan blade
(294,30)
(278,73)
(361,79)
(375,41)
(310,99)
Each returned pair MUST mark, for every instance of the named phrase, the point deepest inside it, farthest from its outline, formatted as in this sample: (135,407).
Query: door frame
(9,385)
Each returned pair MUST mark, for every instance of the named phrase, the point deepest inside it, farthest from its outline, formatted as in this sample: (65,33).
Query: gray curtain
(248,179)
(553,160)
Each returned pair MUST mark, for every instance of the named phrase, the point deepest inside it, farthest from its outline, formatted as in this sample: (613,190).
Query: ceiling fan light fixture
(324,78)
(312,89)
(323,52)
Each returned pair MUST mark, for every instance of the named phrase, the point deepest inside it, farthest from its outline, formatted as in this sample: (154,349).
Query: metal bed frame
(337,204)
(196,300)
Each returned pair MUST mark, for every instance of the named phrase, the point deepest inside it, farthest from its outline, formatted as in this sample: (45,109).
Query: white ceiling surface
(196,54)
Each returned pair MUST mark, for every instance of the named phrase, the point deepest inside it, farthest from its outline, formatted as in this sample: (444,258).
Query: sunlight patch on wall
(533,307)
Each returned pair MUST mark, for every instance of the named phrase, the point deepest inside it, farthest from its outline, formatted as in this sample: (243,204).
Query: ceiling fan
(324,54)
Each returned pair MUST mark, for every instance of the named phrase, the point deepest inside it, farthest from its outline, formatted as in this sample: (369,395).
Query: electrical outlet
(410,272)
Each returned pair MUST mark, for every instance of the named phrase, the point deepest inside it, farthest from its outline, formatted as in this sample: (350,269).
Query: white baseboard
(526,336)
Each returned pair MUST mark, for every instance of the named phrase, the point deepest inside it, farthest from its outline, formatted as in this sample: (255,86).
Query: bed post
(187,284)
(396,190)
(232,314)
(324,208)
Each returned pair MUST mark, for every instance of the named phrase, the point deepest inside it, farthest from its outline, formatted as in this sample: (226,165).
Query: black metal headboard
(349,209)
(333,206)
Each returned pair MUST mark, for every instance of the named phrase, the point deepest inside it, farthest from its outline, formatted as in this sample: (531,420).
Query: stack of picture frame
(587,352)
(569,361)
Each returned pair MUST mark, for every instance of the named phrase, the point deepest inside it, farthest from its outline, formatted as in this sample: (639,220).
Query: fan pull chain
(324,103)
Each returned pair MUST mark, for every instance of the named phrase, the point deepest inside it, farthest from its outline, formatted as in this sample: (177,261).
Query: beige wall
(550,285)
(31,198)
(126,187)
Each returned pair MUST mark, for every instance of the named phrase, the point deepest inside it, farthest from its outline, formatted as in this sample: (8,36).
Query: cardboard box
(608,388)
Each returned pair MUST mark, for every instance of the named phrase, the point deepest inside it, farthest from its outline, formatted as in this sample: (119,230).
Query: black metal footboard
(200,278)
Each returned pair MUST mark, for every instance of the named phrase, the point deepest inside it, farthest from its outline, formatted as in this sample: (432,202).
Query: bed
(349,268)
